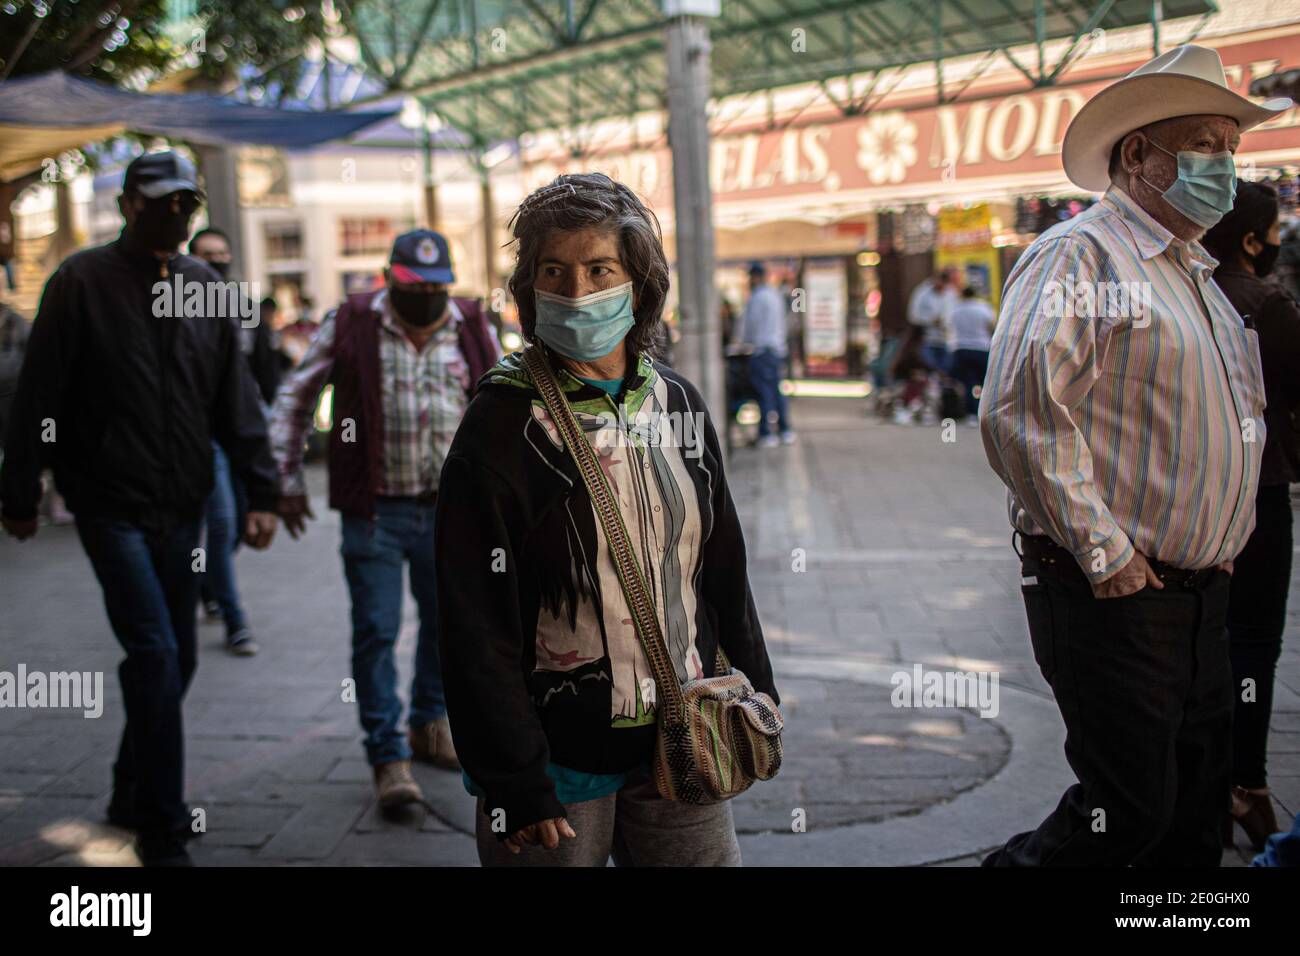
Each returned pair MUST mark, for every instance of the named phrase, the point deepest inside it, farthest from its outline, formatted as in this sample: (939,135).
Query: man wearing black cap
(122,391)
(403,362)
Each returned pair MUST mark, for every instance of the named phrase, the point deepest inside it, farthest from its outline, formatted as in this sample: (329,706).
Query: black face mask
(1266,259)
(419,308)
(220,268)
(158,227)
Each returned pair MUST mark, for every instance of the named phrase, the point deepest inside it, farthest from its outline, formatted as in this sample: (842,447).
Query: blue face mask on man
(588,327)
(1206,186)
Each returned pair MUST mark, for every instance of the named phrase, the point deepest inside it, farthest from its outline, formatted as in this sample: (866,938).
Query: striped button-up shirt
(1123,406)
(423,399)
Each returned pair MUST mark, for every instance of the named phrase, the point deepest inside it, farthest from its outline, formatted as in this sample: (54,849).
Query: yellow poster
(964,239)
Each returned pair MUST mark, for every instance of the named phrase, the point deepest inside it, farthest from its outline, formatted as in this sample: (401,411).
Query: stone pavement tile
(395,848)
(45,752)
(875,762)
(822,815)
(313,832)
(90,778)
(760,816)
(858,624)
(41,828)
(22,782)
(242,824)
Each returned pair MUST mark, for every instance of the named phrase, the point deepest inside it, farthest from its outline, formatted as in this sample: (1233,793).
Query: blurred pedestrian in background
(228,503)
(972,322)
(930,309)
(124,399)
(404,361)
(550,688)
(1246,243)
(14,332)
(763,328)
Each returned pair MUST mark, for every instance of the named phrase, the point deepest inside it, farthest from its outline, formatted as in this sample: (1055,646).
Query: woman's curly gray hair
(576,201)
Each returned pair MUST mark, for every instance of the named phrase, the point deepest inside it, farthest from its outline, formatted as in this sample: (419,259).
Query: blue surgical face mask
(586,328)
(1206,186)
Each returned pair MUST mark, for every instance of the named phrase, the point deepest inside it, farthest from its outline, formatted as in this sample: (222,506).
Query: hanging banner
(965,240)
(826,299)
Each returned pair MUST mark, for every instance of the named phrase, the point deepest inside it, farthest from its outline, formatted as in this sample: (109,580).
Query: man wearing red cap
(403,362)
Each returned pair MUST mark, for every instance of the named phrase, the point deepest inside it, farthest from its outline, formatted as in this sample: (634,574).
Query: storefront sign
(826,299)
(1011,133)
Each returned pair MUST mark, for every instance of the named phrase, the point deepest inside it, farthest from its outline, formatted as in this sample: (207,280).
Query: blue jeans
(936,356)
(765,368)
(969,366)
(150,591)
(1281,849)
(373,555)
(222,537)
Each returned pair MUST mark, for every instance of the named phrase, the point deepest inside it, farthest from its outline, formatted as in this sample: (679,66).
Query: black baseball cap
(161,174)
(421,256)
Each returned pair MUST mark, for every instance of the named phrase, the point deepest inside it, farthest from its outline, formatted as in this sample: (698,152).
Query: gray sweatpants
(636,826)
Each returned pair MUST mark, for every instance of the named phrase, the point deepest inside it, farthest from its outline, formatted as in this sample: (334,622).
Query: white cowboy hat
(1186,81)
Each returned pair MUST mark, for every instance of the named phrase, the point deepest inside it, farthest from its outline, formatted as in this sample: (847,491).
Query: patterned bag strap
(644,618)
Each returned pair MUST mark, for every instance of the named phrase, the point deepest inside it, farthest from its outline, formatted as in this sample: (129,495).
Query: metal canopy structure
(496,70)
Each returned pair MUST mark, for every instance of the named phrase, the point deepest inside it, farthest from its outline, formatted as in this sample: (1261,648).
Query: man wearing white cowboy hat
(1123,410)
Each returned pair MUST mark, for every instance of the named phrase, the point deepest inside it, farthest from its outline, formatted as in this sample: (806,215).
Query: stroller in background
(739,389)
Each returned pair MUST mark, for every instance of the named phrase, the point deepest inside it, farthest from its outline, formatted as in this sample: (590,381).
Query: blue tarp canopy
(41,116)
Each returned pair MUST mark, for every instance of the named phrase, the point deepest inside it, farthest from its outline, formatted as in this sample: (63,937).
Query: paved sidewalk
(873,548)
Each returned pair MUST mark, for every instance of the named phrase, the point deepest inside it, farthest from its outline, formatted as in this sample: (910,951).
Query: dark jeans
(150,591)
(222,516)
(765,368)
(969,367)
(1261,578)
(1144,686)
(374,553)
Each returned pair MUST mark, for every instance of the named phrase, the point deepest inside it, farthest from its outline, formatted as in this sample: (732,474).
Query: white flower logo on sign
(887,146)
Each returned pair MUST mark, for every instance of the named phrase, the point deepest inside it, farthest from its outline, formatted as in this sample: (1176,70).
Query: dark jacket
(355,466)
(258,346)
(1269,309)
(539,659)
(134,398)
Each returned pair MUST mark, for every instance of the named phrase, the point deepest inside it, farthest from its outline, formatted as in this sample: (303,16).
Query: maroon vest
(355,466)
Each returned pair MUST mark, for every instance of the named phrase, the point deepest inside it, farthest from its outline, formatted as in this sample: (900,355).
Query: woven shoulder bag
(716,735)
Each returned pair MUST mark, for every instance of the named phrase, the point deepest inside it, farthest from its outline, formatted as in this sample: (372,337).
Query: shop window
(366,236)
(283,240)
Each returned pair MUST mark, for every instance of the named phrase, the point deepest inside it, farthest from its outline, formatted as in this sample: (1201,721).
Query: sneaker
(395,785)
(211,611)
(787,438)
(902,417)
(162,849)
(241,643)
(432,744)
(767,441)
(972,421)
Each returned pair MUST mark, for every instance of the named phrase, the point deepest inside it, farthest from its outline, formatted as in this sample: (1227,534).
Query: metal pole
(430,188)
(489,231)
(219,165)
(1157,14)
(699,353)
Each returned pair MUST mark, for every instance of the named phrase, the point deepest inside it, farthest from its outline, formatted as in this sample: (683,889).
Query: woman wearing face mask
(552,699)
(1245,242)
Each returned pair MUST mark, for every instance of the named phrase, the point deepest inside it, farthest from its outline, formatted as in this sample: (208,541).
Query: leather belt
(1042,548)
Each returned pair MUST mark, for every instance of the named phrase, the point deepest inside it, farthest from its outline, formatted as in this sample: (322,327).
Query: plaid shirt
(1111,433)
(422,394)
